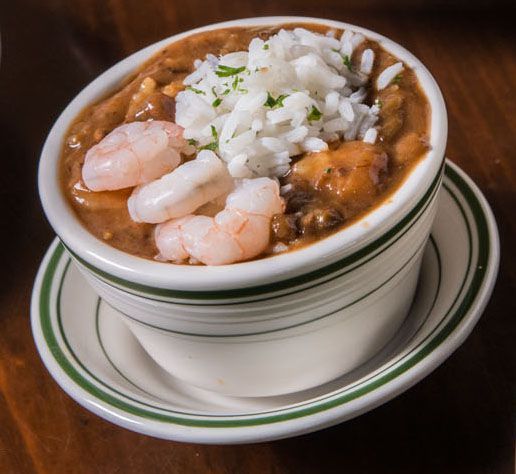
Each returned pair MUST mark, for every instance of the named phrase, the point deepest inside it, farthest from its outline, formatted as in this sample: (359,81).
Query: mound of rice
(290,94)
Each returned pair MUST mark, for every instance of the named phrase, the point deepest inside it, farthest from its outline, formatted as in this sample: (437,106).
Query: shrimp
(182,191)
(239,232)
(132,154)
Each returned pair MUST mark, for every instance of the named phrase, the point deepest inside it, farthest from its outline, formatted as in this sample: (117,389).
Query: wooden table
(458,420)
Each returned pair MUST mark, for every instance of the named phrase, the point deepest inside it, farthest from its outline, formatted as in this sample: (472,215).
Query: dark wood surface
(458,420)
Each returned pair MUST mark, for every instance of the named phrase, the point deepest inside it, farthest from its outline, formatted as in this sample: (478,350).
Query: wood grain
(458,420)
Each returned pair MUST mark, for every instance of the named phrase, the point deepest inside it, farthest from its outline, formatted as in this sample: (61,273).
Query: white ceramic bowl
(275,325)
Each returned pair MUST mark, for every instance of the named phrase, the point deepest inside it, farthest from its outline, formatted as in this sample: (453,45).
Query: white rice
(366,62)
(370,135)
(291,94)
(387,75)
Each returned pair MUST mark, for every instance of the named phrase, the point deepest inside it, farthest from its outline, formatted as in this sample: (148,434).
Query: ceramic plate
(97,361)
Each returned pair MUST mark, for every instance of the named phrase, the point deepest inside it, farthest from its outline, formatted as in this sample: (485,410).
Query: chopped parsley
(210,146)
(397,78)
(193,89)
(192,142)
(217,100)
(266,46)
(378,103)
(314,115)
(280,99)
(226,92)
(270,102)
(347,62)
(214,145)
(328,170)
(275,103)
(227,71)
(345,59)
(234,85)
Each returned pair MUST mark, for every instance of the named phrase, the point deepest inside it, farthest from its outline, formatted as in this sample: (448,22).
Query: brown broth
(149,94)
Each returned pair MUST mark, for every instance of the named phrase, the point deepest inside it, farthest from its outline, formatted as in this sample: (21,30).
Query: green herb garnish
(345,59)
(397,78)
(347,62)
(328,170)
(378,103)
(266,46)
(275,103)
(280,99)
(270,102)
(216,102)
(214,145)
(226,92)
(192,142)
(314,115)
(210,146)
(193,89)
(226,71)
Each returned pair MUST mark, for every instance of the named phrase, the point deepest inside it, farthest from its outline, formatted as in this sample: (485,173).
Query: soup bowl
(278,324)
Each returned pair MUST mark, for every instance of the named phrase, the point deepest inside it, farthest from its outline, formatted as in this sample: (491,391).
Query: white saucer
(97,361)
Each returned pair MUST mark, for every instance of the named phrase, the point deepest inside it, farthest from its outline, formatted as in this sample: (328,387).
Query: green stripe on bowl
(347,269)
(319,400)
(346,389)
(478,269)
(396,232)
(284,328)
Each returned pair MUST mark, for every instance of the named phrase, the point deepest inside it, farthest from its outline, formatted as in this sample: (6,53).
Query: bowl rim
(112,262)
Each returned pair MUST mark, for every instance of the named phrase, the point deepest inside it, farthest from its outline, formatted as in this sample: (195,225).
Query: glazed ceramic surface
(267,341)
(276,325)
(89,350)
